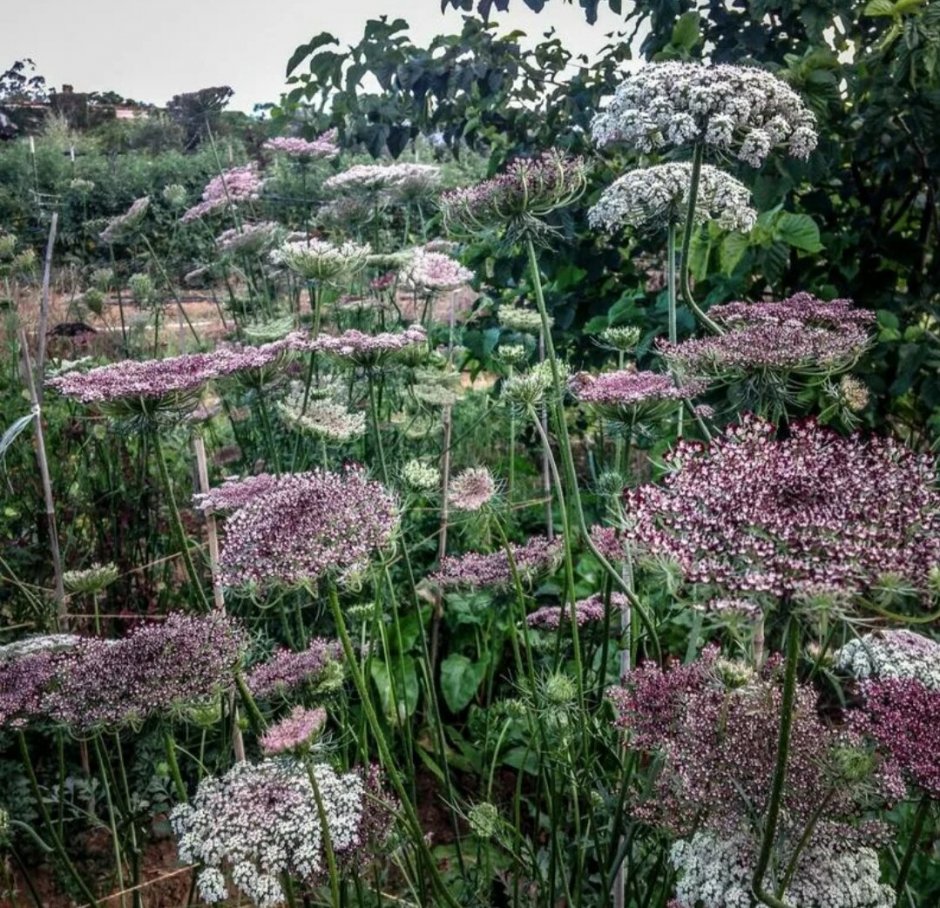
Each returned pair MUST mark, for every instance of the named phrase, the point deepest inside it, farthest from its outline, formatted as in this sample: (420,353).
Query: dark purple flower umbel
(812,511)
(155,670)
(801,333)
(304,528)
(537,556)
(287,671)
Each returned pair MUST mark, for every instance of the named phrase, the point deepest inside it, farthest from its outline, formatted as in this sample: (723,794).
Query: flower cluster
(320,260)
(92,579)
(261,823)
(286,671)
(419,476)
(403,180)
(886,654)
(471,489)
(155,670)
(323,146)
(122,228)
(515,318)
(369,350)
(431,272)
(236,493)
(714,729)
(24,677)
(295,732)
(536,556)
(586,611)
(658,196)
(238,184)
(320,418)
(248,239)
(798,334)
(303,529)
(529,188)
(715,872)
(740,109)
(813,510)
(900,714)
(628,393)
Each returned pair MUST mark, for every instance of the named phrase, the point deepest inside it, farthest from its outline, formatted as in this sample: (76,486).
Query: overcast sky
(150,50)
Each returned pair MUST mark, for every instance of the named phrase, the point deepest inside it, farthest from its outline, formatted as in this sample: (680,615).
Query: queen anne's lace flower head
(370,350)
(715,871)
(740,109)
(886,654)
(800,334)
(123,227)
(516,318)
(528,189)
(238,184)
(814,510)
(320,418)
(261,823)
(400,179)
(295,732)
(628,394)
(315,524)
(419,476)
(317,667)
(658,196)
(586,611)
(321,260)
(248,238)
(471,489)
(537,556)
(433,271)
(323,146)
(155,670)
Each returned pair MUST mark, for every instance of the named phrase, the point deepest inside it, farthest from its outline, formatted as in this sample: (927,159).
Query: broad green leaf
(733,247)
(799,231)
(405,679)
(460,680)
(305,50)
(685,32)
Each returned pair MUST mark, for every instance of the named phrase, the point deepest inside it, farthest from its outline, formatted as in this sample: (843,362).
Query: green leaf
(733,247)
(876,8)
(685,32)
(460,680)
(405,681)
(305,50)
(799,231)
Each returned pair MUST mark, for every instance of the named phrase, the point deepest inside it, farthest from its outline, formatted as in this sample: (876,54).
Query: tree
(199,112)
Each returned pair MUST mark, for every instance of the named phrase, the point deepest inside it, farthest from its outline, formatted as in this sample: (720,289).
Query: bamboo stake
(44,300)
(46,481)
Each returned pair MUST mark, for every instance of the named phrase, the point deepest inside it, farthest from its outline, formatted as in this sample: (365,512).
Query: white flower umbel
(715,872)
(319,260)
(260,821)
(886,654)
(739,109)
(658,196)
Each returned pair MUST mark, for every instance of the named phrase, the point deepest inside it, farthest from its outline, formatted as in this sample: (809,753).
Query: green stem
(697,156)
(325,835)
(384,752)
(920,818)
(571,475)
(57,845)
(255,719)
(780,769)
(169,744)
(177,521)
(671,282)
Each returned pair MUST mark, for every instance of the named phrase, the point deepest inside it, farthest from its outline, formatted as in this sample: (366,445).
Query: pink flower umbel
(286,671)
(323,146)
(537,556)
(586,611)
(471,489)
(305,529)
(238,184)
(295,732)
(754,514)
